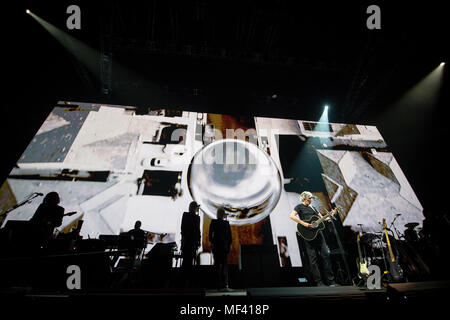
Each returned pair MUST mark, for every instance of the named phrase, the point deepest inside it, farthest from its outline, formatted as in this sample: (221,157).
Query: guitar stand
(386,278)
(359,282)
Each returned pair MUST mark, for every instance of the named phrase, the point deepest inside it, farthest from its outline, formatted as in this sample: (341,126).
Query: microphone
(398,214)
(39,194)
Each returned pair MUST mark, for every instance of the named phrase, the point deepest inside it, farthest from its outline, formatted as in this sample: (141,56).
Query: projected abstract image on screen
(113,167)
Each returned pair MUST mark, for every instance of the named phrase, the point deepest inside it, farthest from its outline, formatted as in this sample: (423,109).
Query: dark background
(257,58)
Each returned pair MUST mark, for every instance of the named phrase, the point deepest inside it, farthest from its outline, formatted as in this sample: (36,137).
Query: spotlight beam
(87,55)
(90,58)
(323,123)
(413,110)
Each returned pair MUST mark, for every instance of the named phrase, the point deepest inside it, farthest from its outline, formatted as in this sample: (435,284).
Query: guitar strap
(314,209)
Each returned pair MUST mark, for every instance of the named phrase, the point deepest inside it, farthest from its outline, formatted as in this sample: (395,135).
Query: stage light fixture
(28,11)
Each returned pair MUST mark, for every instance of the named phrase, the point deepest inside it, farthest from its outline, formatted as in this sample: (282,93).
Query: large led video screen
(114,166)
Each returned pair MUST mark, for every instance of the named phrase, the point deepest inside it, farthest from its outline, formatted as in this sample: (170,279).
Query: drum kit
(376,248)
(410,235)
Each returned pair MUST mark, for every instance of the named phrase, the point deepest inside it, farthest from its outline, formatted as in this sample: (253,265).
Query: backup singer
(220,238)
(301,214)
(190,239)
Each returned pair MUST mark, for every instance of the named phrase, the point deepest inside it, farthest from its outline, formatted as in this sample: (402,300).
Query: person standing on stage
(220,238)
(302,212)
(47,217)
(190,237)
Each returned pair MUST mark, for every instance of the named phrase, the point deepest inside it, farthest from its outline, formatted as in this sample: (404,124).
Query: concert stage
(261,303)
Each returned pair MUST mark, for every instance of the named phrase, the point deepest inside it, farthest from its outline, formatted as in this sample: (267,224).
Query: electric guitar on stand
(361,262)
(395,271)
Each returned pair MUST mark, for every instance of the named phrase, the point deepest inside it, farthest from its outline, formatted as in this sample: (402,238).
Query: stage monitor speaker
(426,289)
(158,265)
(260,265)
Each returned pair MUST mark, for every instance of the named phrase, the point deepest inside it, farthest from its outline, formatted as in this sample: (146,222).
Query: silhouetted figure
(139,239)
(434,242)
(220,238)
(137,233)
(430,228)
(190,238)
(47,217)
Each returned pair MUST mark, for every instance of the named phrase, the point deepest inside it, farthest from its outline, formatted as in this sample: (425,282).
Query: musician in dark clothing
(137,233)
(139,238)
(317,246)
(190,237)
(47,217)
(220,238)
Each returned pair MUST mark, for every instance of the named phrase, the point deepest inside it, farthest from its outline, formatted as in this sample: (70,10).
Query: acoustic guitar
(310,234)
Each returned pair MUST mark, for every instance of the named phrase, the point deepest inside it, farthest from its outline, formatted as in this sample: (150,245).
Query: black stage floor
(250,303)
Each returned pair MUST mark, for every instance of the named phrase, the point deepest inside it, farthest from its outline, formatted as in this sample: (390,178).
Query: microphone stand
(383,252)
(361,226)
(343,252)
(27,200)
(394,243)
(395,229)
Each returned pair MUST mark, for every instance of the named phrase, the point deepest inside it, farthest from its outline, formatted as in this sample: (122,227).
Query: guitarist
(317,246)
(47,217)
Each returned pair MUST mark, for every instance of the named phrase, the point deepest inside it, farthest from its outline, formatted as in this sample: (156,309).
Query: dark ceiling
(265,58)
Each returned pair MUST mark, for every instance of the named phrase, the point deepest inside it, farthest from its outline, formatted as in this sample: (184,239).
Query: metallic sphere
(237,176)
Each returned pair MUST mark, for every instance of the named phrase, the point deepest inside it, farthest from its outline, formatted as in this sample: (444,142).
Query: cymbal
(411,225)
